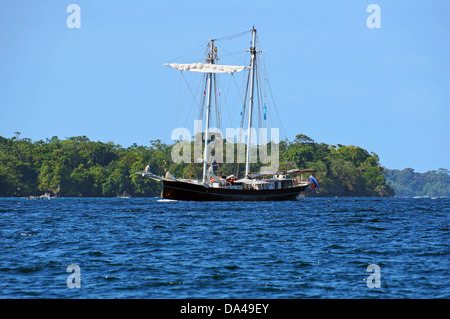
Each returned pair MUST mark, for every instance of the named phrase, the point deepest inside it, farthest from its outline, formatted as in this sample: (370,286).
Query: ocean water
(152,248)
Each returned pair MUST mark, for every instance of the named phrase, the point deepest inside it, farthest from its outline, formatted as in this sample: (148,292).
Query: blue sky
(334,79)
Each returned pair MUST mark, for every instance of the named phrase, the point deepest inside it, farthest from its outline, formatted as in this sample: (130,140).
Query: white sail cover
(206,67)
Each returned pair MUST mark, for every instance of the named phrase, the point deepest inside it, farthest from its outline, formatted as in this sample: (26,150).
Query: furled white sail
(206,68)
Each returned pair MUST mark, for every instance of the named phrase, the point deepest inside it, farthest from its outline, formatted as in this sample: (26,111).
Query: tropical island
(77,166)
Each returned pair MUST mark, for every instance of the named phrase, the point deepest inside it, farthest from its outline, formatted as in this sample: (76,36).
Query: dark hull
(186,191)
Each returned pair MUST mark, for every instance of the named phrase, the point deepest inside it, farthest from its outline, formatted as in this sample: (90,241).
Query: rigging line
(222,101)
(244,111)
(264,81)
(263,122)
(175,120)
(203,99)
(276,111)
(193,95)
(196,48)
(226,98)
(255,111)
(269,105)
(258,94)
(280,123)
(232,54)
(227,92)
(260,100)
(265,113)
(240,93)
(187,83)
(244,108)
(179,99)
(232,36)
(216,103)
(170,125)
(192,104)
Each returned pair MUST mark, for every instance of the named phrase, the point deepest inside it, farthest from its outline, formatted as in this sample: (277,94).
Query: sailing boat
(263,186)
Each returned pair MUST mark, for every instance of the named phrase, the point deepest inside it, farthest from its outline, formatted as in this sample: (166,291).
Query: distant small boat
(124,195)
(46,195)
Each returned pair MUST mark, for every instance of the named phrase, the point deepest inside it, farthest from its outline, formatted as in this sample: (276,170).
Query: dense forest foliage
(408,183)
(77,166)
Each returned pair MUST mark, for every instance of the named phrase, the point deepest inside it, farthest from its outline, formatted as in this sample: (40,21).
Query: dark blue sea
(152,248)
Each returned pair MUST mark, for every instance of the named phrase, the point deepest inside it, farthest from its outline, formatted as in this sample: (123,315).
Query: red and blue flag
(313,180)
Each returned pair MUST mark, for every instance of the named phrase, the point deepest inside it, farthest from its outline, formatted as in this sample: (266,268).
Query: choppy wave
(152,248)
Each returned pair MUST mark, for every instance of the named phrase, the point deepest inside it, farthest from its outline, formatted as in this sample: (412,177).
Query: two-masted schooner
(263,186)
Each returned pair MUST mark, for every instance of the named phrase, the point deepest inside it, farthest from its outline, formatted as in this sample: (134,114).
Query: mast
(210,68)
(250,103)
(210,59)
